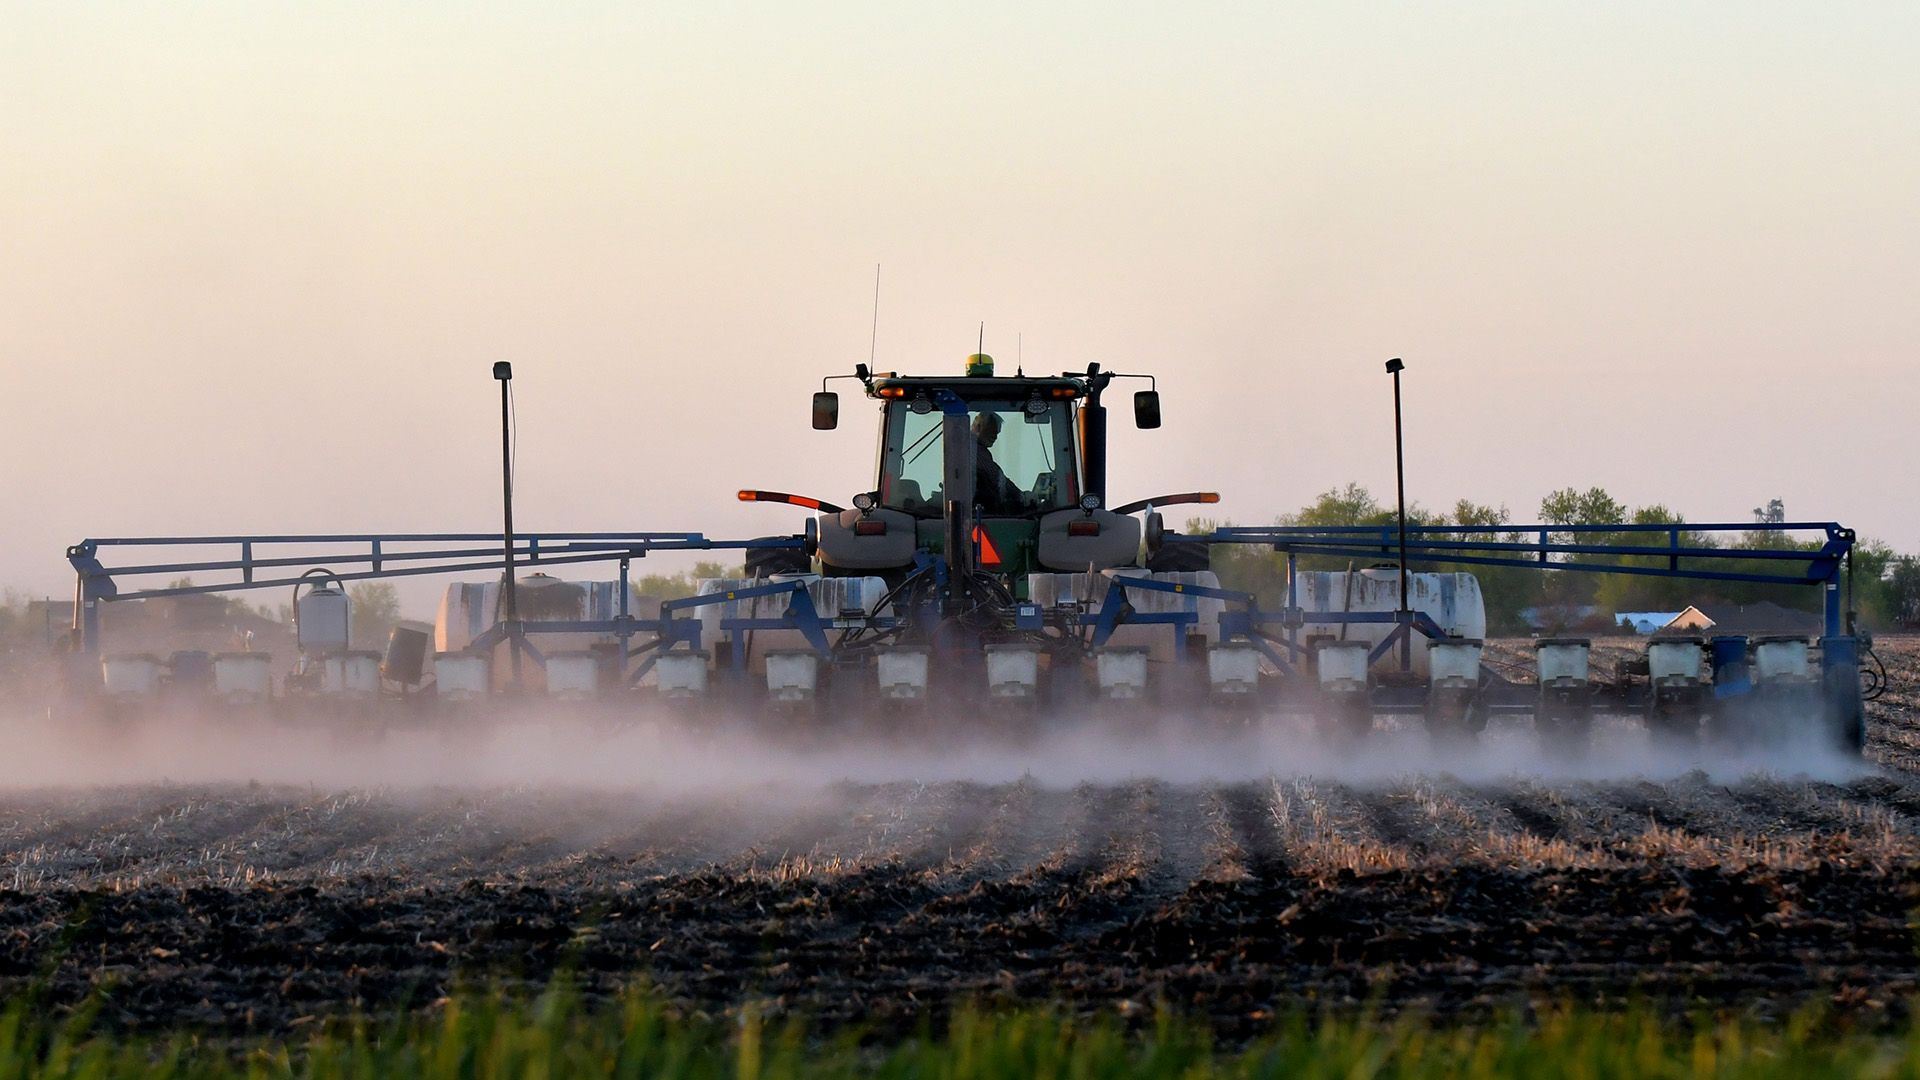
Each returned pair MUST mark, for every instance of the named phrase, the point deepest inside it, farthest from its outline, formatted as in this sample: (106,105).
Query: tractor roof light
(1035,406)
(1064,393)
(922,404)
(863,502)
(1089,502)
(892,392)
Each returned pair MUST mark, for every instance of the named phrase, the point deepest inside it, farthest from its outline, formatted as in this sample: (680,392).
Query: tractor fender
(1118,542)
(841,547)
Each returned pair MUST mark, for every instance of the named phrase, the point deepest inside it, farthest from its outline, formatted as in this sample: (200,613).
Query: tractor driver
(991,489)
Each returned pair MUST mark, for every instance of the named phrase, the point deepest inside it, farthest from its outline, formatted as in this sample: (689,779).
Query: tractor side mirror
(1146,409)
(826,411)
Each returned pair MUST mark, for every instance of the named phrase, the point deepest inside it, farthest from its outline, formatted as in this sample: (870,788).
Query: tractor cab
(1026,455)
(996,475)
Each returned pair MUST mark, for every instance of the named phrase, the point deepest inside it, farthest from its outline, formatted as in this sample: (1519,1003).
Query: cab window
(1026,460)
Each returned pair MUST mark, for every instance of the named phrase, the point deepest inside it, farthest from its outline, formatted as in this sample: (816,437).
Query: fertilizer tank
(1451,600)
(471,608)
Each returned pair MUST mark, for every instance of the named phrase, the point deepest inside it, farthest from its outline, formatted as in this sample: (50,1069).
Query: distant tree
(376,607)
(1593,506)
(1657,514)
(1901,591)
(1874,564)
(1341,507)
(1264,573)
(1467,512)
(1347,507)
(1506,590)
(676,586)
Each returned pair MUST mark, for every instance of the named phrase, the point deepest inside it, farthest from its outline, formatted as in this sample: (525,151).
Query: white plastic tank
(1780,658)
(470,609)
(573,674)
(1120,671)
(1562,661)
(1013,671)
(352,674)
(323,619)
(1233,669)
(1454,662)
(467,610)
(833,598)
(793,675)
(462,676)
(903,672)
(130,675)
(1674,662)
(1052,590)
(1342,665)
(243,678)
(681,674)
(1452,600)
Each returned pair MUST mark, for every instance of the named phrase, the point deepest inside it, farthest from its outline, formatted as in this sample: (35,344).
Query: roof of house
(1764,617)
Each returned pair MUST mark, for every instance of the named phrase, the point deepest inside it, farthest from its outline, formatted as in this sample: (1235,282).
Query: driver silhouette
(991,489)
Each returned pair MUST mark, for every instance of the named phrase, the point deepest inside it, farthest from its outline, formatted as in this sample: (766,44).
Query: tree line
(1886,583)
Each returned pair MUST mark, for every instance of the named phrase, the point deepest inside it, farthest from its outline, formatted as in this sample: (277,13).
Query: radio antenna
(1020,355)
(982,347)
(874,341)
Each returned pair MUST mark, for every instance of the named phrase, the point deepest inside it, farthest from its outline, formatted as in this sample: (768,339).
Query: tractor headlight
(863,502)
(1089,502)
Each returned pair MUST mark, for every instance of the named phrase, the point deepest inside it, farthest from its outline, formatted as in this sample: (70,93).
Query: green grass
(555,1037)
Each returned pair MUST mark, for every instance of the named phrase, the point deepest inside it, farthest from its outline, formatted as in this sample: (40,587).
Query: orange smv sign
(989,555)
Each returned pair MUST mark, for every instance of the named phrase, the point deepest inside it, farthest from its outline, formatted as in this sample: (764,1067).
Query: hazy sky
(257,260)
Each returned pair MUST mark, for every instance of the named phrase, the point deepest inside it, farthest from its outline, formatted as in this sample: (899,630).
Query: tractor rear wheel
(768,561)
(1179,558)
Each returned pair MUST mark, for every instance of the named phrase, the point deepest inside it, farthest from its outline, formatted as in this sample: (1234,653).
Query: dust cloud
(555,747)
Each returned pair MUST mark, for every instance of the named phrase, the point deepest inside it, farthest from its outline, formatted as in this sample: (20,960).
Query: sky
(257,261)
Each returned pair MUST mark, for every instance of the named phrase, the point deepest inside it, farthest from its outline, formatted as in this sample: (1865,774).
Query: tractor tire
(1180,558)
(768,561)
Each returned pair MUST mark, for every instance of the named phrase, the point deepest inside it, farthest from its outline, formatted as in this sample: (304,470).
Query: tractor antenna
(982,347)
(1020,356)
(874,341)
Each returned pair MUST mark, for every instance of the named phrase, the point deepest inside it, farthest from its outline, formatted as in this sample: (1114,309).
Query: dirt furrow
(1324,829)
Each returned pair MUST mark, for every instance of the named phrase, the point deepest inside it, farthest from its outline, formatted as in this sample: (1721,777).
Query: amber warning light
(791,500)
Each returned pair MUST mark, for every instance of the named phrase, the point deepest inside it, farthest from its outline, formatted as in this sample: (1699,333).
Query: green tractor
(984,481)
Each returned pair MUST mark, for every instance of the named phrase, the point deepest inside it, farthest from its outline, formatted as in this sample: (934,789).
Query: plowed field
(257,891)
